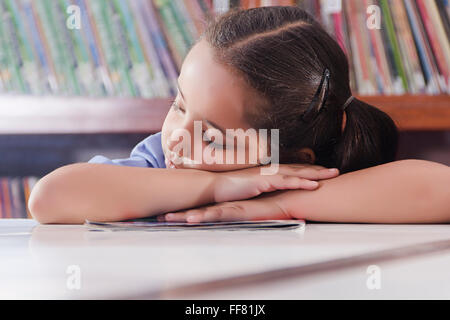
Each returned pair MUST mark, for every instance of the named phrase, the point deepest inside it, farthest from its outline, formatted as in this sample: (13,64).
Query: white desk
(34,260)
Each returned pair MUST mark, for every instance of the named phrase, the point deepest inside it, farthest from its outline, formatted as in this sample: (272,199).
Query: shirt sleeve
(147,154)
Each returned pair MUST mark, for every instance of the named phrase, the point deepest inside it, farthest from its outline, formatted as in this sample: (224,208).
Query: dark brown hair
(281,53)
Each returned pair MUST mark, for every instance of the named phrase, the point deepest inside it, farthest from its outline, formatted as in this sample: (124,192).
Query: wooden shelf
(412,112)
(59,115)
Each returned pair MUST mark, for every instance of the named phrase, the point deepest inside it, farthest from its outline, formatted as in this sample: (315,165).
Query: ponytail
(370,138)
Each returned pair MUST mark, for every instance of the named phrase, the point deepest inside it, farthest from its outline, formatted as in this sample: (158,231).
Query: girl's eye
(212,143)
(176,107)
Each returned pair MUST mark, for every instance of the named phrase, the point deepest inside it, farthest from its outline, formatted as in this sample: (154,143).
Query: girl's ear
(306,155)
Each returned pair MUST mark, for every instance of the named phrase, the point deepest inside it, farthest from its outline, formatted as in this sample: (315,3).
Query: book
(150,224)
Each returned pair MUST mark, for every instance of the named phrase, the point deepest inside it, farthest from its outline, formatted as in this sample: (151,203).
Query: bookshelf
(62,115)
(161,31)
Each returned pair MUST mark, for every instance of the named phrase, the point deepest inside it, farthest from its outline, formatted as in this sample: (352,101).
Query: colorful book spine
(13,60)
(422,50)
(136,47)
(29,67)
(65,45)
(173,34)
(14,196)
(161,45)
(408,51)
(159,81)
(369,55)
(186,24)
(106,39)
(389,24)
(382,72)
(100,69)
(83,65)
(56,52)
(122,46)
(443,7)
(435,45)
(141,72)
(43,46)
(5,71)
(361,66)
(49,84)
(442,37)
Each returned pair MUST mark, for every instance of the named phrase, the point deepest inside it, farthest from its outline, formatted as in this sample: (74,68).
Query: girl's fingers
(256,209)
(282,182)
(175,217)
(309,173)
(182,215)
(218,213)
(208,214)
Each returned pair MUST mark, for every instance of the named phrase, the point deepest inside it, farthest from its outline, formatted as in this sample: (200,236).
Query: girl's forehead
(211,90)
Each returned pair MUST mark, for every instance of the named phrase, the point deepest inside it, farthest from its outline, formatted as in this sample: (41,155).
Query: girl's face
(209,97)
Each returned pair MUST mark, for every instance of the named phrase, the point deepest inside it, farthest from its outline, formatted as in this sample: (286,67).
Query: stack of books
(14,195)
(394,46)
(135,48)
(96,48)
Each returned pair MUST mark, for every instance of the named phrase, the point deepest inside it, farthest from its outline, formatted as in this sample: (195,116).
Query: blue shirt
(147,154)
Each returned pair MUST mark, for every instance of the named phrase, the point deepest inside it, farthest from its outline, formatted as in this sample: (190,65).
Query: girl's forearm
(407,191)
(103,192)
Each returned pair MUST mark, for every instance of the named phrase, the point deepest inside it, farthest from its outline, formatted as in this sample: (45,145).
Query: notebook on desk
(151,224)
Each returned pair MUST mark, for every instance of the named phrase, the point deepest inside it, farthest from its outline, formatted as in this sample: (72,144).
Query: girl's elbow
(40,203)
(46,197)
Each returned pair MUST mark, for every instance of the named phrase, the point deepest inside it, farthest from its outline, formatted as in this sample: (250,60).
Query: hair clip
(319,98)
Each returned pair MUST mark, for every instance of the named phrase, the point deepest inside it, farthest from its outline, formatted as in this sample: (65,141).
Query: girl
(268,67)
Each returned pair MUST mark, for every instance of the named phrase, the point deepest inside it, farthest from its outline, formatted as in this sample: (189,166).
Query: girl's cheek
(169,125)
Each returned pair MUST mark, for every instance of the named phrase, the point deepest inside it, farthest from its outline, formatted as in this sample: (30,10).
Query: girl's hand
(248,183)
(266,207)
